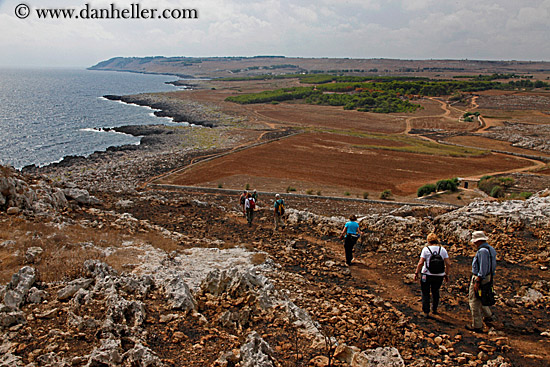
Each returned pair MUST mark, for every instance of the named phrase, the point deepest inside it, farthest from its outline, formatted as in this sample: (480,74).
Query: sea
(48,114)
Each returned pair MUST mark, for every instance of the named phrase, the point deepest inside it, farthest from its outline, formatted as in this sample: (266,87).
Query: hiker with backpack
(249,206)
(242,199)
(433,267)
(483,270)
(350,234)
(279,212)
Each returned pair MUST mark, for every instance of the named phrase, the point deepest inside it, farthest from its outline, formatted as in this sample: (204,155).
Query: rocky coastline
(166,107)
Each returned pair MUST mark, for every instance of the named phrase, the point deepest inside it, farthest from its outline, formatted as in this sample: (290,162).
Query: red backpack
(252,203)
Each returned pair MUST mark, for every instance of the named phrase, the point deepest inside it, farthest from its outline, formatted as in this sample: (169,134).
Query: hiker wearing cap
(278,212)
(350,234)
(433,267)
(483,268)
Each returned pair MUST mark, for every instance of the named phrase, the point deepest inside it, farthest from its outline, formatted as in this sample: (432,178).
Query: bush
(497,191)
(488,183)
(386,194)
(447,185)
(525,195)
(290,188)
(365,195)
(425,190)
(309,192)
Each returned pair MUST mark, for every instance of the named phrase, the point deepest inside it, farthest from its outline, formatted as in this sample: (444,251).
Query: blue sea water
(48,114)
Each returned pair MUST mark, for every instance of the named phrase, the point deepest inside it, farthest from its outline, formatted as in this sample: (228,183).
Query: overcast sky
(406,29)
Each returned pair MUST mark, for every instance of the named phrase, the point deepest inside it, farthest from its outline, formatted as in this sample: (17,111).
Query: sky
(402,29)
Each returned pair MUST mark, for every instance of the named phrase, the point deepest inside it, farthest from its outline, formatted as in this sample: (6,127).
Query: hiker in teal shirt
(351,234)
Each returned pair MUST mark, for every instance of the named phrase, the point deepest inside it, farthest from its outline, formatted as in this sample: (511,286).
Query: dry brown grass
(67,247)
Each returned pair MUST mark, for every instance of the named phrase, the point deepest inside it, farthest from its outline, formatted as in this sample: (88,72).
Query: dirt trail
(367,268)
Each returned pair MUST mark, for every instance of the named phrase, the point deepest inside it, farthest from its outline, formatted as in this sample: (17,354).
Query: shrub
(220,186)
(488,183)
(319,193)
(365,195)
(497,191)
(347,193)
(290,188)
(425,190)
(526,194)
(447,185)
(386,194)
(309,192)
(247,187)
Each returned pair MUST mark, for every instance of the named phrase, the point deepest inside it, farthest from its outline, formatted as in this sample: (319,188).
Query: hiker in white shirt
(432,271)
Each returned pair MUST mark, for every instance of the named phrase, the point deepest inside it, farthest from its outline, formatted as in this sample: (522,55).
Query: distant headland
(234,67)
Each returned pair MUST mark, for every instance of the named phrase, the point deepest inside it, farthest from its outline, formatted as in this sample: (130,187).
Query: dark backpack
(242,198)
(436,264)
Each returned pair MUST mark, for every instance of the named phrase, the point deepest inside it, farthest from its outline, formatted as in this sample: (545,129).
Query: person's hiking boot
(474,329)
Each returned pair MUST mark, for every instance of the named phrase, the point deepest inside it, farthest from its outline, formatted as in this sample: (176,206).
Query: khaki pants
(476,308)
(279,221)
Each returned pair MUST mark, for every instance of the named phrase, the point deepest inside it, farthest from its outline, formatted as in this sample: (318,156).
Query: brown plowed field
(319,161)
(333,164)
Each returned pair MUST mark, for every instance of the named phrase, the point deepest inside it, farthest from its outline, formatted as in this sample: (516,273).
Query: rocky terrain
(178,279)
(99,268)
(522,135)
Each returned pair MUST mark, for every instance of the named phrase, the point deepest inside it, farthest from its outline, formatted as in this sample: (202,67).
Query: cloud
(476,29)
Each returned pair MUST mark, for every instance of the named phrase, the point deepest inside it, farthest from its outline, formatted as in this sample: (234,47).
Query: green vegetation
(389,94)
(365,195)
(290,188)
(447,185)
(425,190)
(441,185)
(495,186)
(362,100)
(386,194)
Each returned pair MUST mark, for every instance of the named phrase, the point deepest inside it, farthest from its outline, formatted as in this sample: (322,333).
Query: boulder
(74,286)
(179,294)
(256,352)
(81,196)
(19,286)
(140,356)
(32,255)
(387,357)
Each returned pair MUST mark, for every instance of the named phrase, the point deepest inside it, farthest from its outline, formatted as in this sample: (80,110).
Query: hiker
(350,234)
(483,268)
(255,196)
(242,199)
(250,205)
(279,212)
(434,266)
